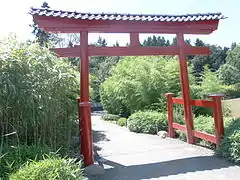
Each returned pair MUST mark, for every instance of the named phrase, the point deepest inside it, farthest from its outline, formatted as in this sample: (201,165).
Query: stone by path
(130,156)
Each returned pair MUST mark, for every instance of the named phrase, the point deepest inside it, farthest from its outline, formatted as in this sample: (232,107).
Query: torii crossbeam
(72,22)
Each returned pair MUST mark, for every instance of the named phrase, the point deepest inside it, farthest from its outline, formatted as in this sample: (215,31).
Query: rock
(94,170)
(162,134)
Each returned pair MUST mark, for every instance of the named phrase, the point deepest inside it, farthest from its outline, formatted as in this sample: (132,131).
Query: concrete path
(130,156)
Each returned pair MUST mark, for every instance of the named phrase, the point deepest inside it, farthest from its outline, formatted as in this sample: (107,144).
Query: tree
(199,42)
(155,41)
(100,67)
(233,45)
(214,61)
(230,72)
(68,40)
(138,83)
(71,43)
(174,41)
(101,42)
(96,61)
(117,59)
(116,44)
(42,37)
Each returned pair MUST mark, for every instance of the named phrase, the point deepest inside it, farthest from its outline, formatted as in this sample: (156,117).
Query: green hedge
(122,122)
(50,168)
(110,117)
(230,145)
(147,122)
(204,124)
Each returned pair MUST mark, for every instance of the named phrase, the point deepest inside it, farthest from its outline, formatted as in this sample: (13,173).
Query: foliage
(139,83)
(230,71)
(204,124)
(100,67)
(229,74)
(122,122)
(227,110)
(12,158)
(214,61)
(49,168)
(209,84)
(142,85)
(42,37)
(149,122)
(178,114)
(230,145)
(156,41)
(174,41)
(110,117)
(37,95)
(69,40)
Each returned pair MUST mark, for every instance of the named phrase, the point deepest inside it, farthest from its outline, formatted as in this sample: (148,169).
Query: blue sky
(14,17)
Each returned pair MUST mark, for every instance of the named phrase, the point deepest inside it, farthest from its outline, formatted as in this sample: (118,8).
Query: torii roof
(126,17)
(124,22)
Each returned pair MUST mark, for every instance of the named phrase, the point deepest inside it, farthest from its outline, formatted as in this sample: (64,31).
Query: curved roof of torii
(66,21)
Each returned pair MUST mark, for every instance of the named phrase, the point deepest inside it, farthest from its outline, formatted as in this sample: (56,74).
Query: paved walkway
(130,156)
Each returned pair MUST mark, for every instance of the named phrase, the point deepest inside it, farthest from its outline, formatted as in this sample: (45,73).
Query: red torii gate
(73,22)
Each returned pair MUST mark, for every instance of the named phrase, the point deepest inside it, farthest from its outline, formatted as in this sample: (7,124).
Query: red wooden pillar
(85,116)
(79,116)
(134,39)
(218,117)
(170,114)
(185,88)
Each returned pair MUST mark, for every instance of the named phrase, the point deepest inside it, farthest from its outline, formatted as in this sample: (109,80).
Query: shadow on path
(99,136)
(161,169)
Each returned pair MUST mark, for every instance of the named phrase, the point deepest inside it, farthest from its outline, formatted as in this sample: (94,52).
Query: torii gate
(73,22)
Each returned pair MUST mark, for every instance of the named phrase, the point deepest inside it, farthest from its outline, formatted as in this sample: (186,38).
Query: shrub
(147,122)
(230,145)
(12,158)
(178,114)
(204,124)
(37,95)
(234,92)
(109,97)
(110,117)
(122,122)
(209,84)
(139,83)
(49,168)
